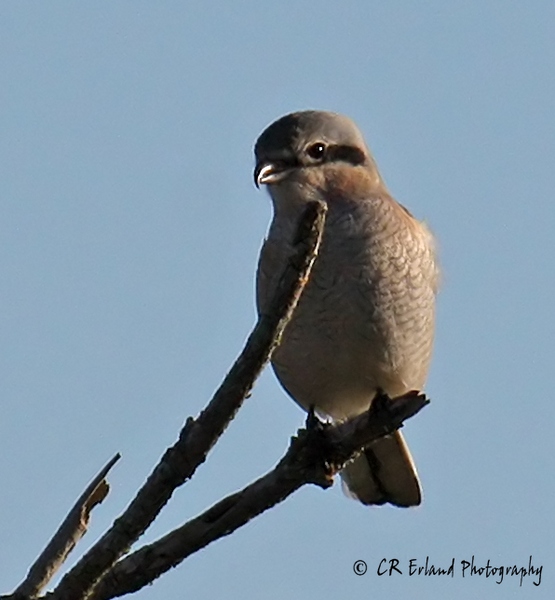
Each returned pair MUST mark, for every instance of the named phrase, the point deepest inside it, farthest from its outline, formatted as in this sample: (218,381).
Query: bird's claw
(313,423)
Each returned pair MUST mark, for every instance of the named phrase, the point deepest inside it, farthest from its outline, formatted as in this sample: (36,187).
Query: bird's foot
(381,403)
(315,431)
(385,404)
(313,423)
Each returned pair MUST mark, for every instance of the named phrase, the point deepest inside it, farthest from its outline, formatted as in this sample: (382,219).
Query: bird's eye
(316,151)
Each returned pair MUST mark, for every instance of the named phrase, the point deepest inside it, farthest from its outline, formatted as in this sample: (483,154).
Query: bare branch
(314,456)
(69,533)
(199,435)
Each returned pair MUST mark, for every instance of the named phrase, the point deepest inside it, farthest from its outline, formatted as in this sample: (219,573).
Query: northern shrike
(365,320)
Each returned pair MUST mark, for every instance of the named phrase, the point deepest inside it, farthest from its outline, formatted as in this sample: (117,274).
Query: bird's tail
(384,472)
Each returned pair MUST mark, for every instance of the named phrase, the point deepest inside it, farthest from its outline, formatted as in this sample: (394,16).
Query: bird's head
(316,149)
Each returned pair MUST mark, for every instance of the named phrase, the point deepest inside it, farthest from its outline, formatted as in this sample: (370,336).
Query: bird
(364,324)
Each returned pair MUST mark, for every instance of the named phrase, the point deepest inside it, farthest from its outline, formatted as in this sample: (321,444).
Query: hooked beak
(269,172)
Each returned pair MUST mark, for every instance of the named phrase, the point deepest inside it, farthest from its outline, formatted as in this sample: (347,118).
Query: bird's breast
(365,318)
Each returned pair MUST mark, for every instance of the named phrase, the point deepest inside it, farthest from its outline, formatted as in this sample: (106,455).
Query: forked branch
(315,455)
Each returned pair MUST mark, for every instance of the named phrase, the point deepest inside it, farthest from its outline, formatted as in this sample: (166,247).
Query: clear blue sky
(130,231)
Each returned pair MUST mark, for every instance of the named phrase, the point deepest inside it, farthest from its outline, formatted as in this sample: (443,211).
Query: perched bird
(365,321)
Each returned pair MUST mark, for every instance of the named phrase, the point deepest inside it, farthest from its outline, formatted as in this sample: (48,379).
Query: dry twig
(72,529)
(199,435)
